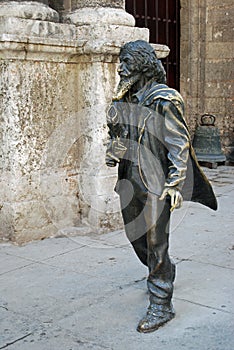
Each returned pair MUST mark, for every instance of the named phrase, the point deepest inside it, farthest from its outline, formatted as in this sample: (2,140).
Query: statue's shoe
(156,316)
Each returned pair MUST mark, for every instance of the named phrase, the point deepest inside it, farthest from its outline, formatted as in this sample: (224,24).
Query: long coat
(149,131)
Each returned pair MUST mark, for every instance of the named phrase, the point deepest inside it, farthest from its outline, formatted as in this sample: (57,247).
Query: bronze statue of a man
(157,169)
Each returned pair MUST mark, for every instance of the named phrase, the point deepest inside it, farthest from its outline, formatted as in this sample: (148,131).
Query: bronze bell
(206,142)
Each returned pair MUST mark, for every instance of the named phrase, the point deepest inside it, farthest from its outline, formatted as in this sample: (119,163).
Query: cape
(197,187)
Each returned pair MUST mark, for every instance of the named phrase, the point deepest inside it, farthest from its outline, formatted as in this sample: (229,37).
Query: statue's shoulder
(162,91)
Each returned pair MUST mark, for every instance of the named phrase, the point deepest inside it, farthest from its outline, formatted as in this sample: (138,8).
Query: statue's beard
(124,86)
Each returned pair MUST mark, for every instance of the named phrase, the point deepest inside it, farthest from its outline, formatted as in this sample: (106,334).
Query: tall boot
(157,315)
(160,310)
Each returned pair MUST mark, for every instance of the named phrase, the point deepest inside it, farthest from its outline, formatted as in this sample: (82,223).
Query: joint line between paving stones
(201,262)
(33,261)
(50,257)
(18,268)
(207,263)
(15,341)
(104,243)
(43,262)
(206,306)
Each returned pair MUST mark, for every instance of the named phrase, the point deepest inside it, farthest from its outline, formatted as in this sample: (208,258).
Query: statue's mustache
(124,86)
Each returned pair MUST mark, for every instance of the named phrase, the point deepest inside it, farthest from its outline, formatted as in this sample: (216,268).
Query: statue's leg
(134,222)
(161,269)
(140,248)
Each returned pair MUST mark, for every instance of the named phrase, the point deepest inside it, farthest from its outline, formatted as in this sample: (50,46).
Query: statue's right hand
(111,162)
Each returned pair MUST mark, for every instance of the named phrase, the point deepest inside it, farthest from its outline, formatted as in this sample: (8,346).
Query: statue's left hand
(176,197)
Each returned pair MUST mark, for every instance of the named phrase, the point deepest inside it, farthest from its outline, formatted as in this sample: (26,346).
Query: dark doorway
(162,17)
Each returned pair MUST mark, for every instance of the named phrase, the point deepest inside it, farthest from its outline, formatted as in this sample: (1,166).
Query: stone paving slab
(9,263)
(204,284)
(89,292)
(48,248)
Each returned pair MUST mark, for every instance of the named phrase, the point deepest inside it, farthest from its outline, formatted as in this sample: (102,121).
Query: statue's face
(129,74)
(127,67)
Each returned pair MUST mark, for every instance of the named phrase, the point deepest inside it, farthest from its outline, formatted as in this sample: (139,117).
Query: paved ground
(90,292)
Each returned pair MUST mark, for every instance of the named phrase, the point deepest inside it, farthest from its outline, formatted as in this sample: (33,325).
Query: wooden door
(162,17)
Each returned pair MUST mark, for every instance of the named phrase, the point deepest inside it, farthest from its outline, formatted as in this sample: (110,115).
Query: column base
(28,10)
(21,29)
(100,16)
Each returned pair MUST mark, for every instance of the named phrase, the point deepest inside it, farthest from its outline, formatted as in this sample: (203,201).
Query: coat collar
(153,90)
(150,87)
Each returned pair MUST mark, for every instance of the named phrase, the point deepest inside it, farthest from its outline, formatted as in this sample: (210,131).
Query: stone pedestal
(34,50)
(56,82)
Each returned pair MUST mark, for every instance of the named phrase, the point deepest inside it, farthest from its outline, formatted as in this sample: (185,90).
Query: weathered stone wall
(206,63)
(219,85)
(53,173)
(36,99)
(56,81)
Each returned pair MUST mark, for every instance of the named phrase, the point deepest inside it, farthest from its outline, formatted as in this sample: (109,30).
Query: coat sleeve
(177,141)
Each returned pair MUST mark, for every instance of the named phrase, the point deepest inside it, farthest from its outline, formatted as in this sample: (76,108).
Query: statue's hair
(146,59)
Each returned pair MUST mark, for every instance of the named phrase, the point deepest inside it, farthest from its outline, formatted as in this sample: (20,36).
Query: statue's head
(138,61)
